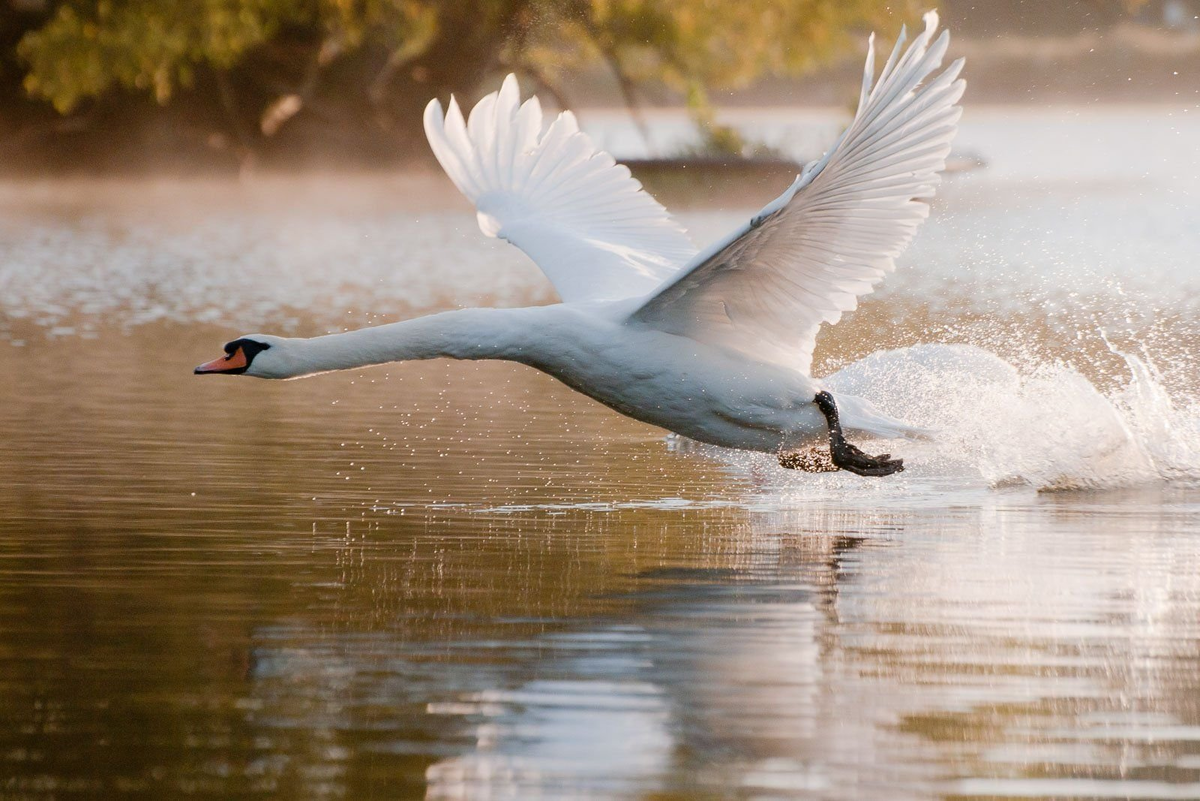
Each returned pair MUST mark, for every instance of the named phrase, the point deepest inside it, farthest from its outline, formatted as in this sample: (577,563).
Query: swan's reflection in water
(915,654)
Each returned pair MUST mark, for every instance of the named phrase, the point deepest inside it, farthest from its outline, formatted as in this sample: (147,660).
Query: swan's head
(258,355)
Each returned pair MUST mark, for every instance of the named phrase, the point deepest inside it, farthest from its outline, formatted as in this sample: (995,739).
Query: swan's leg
(845,455)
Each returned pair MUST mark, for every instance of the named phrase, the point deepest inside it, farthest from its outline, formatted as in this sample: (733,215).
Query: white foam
(1047,427)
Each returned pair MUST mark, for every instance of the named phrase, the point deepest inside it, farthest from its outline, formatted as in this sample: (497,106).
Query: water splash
(1047,426)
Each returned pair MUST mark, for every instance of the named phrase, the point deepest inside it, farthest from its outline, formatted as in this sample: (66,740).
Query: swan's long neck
(463,334)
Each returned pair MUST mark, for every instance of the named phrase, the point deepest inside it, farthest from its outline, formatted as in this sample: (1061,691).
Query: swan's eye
(248,346)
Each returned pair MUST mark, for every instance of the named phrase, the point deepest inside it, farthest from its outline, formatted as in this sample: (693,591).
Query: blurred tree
(265,74)
(693,46)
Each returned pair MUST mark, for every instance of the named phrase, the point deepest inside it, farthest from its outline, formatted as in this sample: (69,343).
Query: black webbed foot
(847,456)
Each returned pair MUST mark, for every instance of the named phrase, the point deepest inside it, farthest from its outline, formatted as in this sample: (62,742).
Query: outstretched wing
(576,212)
(832,236)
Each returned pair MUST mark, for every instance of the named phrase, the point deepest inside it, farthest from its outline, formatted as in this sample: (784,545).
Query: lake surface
(449,580)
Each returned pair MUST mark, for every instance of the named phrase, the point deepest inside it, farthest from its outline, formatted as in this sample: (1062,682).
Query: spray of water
(1046,425)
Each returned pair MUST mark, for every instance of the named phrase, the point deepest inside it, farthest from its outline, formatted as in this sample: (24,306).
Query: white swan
(715,345)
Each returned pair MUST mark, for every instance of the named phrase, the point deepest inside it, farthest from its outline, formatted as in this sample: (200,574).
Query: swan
(715,345)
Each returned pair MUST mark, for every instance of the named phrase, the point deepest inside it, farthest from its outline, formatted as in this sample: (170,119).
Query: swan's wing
(807,257)
(576,212)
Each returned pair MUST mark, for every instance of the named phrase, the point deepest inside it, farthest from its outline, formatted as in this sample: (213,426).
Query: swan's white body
(697,390)
(716,345)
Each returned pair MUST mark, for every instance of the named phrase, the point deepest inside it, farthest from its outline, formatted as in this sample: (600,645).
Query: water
(462,580)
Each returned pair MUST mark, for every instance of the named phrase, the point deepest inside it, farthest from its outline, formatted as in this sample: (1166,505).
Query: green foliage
(155,45)
(729,44)
(144,44)
(696,45)
(347,57)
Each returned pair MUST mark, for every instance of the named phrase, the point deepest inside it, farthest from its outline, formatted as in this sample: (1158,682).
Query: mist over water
(463,580)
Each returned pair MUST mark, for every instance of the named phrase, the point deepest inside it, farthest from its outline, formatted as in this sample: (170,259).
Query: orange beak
(233,363)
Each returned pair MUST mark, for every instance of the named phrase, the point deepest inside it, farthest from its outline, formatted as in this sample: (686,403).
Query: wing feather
(578,214)
(810,254)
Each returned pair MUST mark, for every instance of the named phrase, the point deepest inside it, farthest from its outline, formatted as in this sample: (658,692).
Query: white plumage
(576,212)
(831,237)
(716,346)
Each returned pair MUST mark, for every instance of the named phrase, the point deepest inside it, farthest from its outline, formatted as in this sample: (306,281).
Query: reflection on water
(460,581)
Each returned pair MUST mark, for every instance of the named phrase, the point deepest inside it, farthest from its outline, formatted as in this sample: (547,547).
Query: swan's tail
(860,416)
